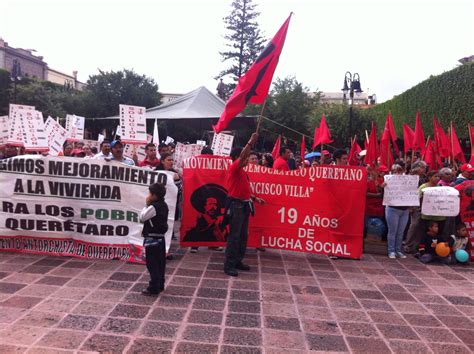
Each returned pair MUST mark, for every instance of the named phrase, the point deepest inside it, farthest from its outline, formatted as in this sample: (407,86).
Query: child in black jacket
(155,219)
(427,248)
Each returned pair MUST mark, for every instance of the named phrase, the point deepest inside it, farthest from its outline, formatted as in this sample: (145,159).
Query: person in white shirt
(104,150)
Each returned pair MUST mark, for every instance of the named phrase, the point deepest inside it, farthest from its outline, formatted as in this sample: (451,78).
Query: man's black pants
(237,238)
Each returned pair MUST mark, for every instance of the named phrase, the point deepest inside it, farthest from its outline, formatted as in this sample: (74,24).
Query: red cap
(467,167)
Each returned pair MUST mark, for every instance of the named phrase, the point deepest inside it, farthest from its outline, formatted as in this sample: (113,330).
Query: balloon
(461,256)
(442,249)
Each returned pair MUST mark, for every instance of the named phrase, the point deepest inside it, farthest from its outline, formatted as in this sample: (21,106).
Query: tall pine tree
(245,41)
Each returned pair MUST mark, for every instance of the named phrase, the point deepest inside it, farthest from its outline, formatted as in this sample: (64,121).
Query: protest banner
(34,134)
(440,201)
(76,207)
(466,212)
(222,144)
(132,125)
(56,136)
(401,190)
(3,131)
(15,132)
(315,210)
(182,152)
(75,127)
(139,150)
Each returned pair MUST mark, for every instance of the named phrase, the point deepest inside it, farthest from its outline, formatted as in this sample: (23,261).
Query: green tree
(244,40)
(107,90)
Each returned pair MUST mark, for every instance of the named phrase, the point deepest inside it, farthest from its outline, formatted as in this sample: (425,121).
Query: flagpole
(426,146)
(260,117)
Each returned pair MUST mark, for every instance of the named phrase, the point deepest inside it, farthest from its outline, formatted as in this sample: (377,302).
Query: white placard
(140,149)
(34,134)
(3,130)
(222,144)
(133,125)
(118,131)
(169,140)
(440,201)
(182,152)
(201,142)
(15,133)
(75,127)
(100,139)
(56,136)
(401,190)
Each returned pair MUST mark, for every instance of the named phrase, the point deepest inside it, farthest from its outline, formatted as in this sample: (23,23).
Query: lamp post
(15,76)
(351,85)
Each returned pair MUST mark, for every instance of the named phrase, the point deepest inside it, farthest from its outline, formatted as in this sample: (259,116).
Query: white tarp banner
(56,136)
(75,127)
(440,201)
(401,190)
(15,133)
(222,144)
(77,207)
(34,133)
(132,124)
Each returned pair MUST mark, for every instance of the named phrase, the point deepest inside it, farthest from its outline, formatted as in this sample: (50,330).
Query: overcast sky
(393,45)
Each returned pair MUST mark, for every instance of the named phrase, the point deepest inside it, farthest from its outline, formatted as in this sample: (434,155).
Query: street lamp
(15,76)
(351,85)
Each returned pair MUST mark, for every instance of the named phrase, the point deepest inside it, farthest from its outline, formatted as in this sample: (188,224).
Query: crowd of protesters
(405,230)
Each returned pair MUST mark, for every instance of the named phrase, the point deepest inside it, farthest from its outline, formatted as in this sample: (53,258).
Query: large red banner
(316,210)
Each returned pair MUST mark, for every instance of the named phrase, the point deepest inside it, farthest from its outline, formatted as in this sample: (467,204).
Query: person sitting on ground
(154,216)
(427,248)
(151,160)
(460,242)
(281,163)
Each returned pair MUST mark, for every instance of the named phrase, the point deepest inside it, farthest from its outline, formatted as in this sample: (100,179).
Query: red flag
(430,156)
(456,147)
(419,139)
(322,135)
(353,153)
(408,137)
(387,136)
(471,138)
(254,84)
(276,148)
(442,145)
(372,148)
(303,147)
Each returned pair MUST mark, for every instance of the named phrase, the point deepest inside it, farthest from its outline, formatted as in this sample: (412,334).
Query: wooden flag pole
(366,136)
(260,117)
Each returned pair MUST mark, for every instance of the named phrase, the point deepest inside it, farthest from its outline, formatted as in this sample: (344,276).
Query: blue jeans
(397,220)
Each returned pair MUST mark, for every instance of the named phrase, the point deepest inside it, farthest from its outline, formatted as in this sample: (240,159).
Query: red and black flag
(254,84)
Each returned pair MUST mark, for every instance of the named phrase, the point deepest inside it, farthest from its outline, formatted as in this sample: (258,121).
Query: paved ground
(288,303)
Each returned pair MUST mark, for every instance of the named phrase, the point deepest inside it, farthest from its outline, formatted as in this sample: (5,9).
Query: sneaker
(231,272)
(220,249)
(401,255)
(148,292)
(261,249)
(194,250)
(392,255)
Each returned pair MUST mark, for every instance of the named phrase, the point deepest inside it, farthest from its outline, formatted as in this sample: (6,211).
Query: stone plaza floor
(287,303)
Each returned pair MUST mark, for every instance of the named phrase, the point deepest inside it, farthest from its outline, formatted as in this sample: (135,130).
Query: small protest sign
(132,125)
(222,144)
(56,136)
(440,201)
(401,190)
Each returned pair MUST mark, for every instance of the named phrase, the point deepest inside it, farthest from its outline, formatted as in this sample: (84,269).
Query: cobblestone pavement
(287,303)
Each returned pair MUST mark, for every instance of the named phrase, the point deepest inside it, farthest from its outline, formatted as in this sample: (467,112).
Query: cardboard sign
(34,134)
(56,136)
(201,142)
(401,190)
(15,132)
(139,150)
(182,152)
(75,127)
(3,130)
(133,125)
(440,201)
(222,144)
